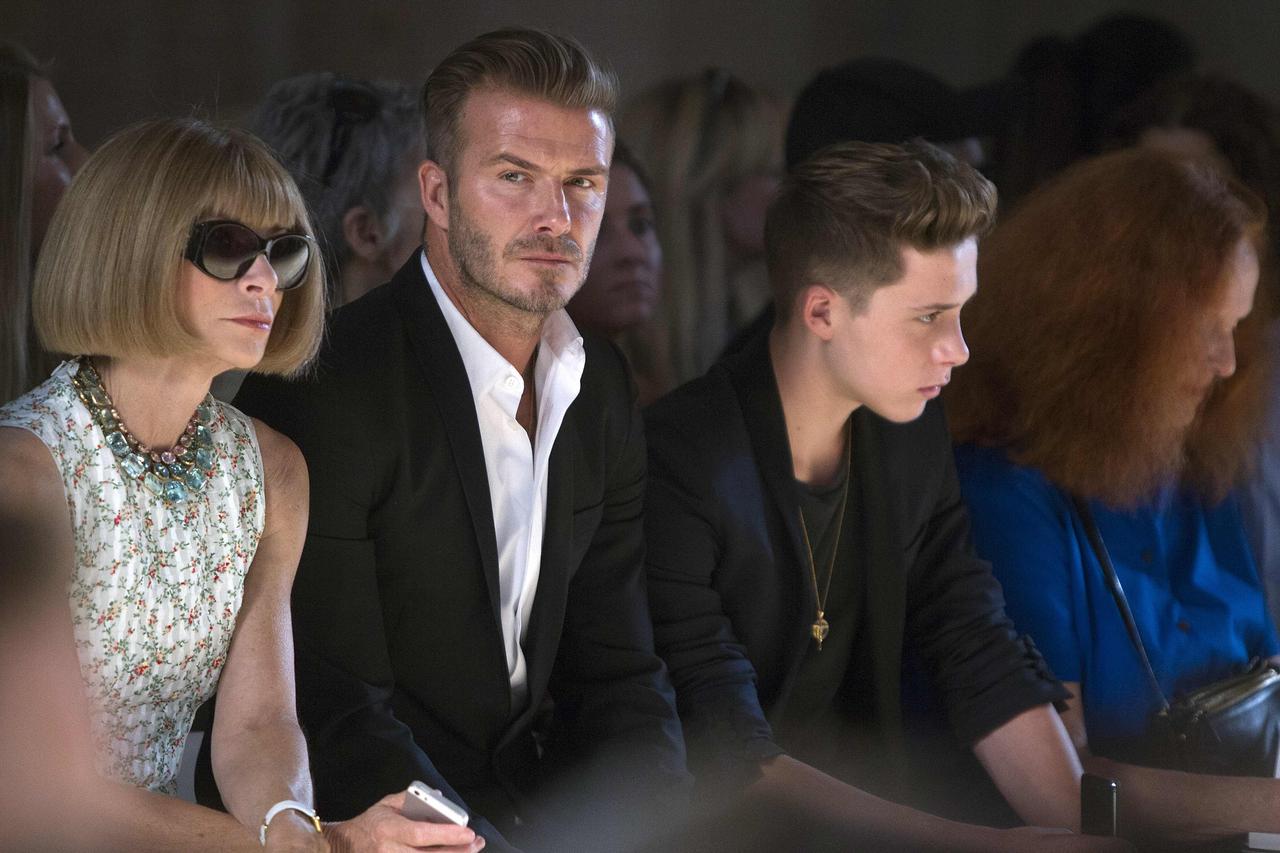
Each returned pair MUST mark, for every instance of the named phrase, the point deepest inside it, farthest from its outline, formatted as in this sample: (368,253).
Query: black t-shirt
(818,682)
(829,720)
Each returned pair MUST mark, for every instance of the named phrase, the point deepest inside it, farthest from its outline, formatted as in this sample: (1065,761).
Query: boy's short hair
(106,283)
(842,217)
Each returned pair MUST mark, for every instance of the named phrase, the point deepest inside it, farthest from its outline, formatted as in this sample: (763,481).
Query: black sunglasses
(226,249)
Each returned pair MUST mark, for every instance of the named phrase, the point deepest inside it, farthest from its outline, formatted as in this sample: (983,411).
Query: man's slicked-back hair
(843,217)
(534,63)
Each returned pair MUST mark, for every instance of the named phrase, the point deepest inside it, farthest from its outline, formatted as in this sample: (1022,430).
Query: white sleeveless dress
(155,588)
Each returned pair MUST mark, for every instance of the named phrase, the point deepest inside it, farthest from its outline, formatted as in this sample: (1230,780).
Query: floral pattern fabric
(155,588)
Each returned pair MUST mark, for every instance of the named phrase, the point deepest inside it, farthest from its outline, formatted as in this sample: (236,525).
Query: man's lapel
(443,370)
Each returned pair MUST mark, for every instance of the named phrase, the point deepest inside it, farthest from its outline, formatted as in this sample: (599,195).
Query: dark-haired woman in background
(624,286)
(1116,358)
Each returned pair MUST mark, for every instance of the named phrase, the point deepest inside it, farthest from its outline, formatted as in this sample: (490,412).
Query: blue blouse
(1186,569)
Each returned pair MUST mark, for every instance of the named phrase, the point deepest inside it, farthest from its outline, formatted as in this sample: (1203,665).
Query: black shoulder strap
(1117,592)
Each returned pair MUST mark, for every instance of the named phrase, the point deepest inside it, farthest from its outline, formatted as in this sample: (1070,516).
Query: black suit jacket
(400,663)
(729,582)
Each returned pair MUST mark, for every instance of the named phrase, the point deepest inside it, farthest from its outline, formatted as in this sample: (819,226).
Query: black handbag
(1229,727)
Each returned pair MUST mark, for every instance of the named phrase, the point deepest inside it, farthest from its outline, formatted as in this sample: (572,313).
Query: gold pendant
(820,629)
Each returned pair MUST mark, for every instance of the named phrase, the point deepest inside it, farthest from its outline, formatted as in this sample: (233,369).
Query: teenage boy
(804,523)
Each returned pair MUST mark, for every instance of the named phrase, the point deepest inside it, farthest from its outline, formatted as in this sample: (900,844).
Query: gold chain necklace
(820,627)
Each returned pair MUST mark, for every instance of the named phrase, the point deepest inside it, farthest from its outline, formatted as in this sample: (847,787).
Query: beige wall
(120,60)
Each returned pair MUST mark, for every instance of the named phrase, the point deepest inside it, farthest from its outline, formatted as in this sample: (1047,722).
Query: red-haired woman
(1117,359)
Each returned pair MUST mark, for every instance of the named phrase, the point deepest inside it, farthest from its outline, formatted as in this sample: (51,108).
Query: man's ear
(363,231)
(817,304)
(433,184)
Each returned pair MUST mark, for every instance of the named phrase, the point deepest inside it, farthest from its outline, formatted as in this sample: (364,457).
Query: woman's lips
(260,323)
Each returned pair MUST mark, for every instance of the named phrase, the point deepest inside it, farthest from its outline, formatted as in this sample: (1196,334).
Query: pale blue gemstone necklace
(172,475)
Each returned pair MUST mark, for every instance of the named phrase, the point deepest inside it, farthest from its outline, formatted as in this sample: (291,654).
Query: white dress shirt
(517,468)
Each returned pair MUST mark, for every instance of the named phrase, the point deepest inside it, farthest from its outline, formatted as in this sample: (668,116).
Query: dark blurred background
(120,60)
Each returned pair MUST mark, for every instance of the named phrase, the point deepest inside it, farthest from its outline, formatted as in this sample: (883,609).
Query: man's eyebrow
(504,157)
(522,163)
(938,306)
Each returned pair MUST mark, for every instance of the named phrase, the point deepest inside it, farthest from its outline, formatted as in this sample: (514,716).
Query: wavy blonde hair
(701,136)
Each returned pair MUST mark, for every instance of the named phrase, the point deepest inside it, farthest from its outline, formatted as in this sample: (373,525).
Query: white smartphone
(423,802)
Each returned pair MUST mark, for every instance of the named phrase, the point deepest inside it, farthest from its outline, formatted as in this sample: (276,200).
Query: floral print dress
(155,587)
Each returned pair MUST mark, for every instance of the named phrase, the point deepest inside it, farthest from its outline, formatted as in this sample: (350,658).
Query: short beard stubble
(477,267)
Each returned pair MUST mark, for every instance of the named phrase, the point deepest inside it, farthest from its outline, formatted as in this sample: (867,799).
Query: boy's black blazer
(729,580)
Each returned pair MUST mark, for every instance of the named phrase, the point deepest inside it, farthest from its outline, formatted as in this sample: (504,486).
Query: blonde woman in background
(714,148)
(38,157)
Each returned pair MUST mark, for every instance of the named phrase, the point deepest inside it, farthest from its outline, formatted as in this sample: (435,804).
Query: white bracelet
(288,805)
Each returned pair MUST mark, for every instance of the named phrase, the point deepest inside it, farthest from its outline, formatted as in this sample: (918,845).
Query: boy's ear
(816,306)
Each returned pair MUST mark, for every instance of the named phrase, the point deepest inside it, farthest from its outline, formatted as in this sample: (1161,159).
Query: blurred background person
(880,100)
(1216,118)
(1116,358)
(1207,115)
(624,285)
(353,147)
(1059,98)
(713,145)
(38,159)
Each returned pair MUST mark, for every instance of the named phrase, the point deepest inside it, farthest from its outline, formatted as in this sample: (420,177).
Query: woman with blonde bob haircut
(105,281)
(172,522)
(1117,380)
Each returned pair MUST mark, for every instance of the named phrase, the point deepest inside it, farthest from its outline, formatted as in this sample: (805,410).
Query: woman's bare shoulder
(285,474)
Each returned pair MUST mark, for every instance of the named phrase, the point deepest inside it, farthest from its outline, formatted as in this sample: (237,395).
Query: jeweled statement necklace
(172,475)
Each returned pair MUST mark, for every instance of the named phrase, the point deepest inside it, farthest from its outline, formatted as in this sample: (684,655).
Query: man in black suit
(803,520)
(470,607)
